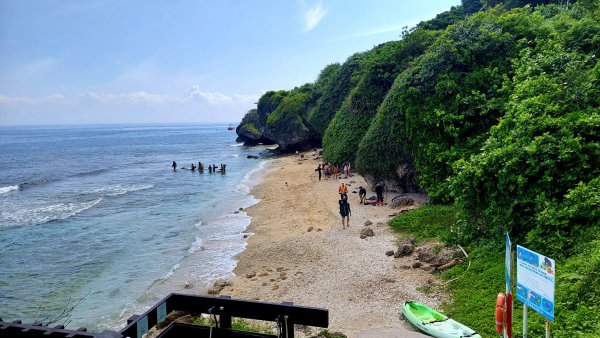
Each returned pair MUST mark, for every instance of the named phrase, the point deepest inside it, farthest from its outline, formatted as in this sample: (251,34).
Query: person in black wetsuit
(319,171)
(193,167)
(174,165)
(210,169)
(345,212)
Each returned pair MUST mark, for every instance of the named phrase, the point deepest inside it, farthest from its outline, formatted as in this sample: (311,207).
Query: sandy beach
(298,252)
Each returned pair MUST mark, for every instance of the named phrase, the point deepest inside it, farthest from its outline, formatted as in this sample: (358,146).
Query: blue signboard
(536,281)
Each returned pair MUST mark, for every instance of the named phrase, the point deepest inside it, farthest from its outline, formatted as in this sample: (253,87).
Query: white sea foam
(250,179)
(236,145)
(197,245)
(121,189)
(8,189)
(172,271)
(44,214)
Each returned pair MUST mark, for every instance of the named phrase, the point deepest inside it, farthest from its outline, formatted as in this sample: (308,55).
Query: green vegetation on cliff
(287,122)
(267,105)
(441,108)
(376,74)
(248,128)
(334,92)
(537,173)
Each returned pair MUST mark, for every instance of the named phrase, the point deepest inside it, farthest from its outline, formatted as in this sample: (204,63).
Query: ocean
(95,223)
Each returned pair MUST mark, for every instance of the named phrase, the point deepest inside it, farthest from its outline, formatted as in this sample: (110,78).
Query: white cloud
(138,97)
(134,97)
(313,16)
(55,97)
(31,100)
(216,98)
(15,99)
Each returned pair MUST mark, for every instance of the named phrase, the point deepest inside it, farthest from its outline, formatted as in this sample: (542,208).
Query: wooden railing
(223,309)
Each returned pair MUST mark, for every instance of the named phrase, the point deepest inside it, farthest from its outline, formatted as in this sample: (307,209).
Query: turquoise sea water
(96,214)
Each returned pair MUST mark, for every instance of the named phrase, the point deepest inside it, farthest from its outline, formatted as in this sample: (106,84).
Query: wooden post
(224,316)
(288,324)
(524,320)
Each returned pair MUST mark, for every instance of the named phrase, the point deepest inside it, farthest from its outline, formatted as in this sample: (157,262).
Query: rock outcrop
(277,120)
(249,130)
(289,133)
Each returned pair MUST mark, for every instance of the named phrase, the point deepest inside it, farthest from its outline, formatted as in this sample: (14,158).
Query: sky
(178,61)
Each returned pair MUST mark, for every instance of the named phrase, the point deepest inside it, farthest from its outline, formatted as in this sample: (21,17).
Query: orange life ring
(500,303)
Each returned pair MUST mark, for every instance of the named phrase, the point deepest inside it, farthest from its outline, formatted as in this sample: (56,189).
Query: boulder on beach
(366,232)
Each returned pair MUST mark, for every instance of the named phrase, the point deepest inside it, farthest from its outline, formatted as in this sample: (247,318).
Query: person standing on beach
(345,170)
(345,212)
(319,171)
(379,192)
(174,165)
(335,171)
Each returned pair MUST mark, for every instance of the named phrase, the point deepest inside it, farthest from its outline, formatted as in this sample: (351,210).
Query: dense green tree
(441,108)
(471,6)
(326,78)
(444,19)
(378,70)
(334,92)
(267,104)
(545,153)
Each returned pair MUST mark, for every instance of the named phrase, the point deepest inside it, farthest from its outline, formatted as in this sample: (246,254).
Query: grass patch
(427,223)
(239,325)
(473,294)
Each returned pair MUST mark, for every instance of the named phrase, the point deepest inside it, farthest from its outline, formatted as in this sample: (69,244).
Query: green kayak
(434,323)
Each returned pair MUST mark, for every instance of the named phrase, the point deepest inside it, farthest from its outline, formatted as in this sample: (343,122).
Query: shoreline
(297,251)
